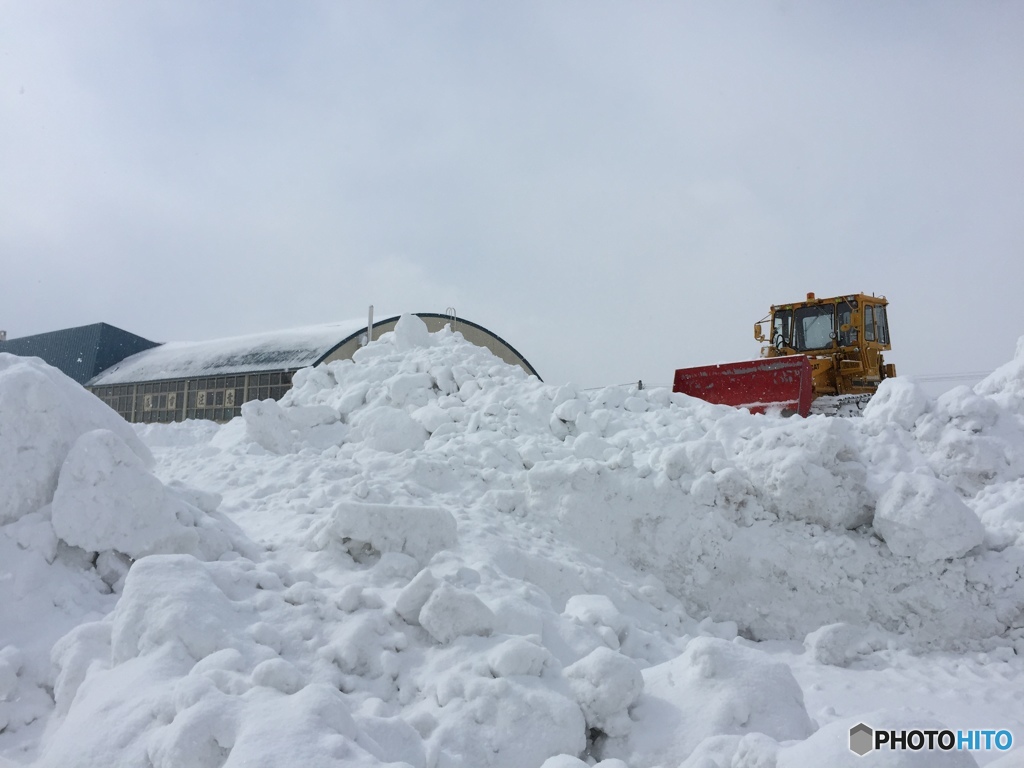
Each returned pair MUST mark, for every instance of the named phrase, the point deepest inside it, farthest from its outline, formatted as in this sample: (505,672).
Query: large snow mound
(451,564)
(42,413)
(78,503)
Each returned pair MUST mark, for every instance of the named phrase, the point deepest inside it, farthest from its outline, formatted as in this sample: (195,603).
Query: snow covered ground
(425,558)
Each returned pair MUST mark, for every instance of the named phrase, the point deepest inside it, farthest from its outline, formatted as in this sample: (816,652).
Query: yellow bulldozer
(819,356)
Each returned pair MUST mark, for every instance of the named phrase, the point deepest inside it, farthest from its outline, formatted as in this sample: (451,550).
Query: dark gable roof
(81,352)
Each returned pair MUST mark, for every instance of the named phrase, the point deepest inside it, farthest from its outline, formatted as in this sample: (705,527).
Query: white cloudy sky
(617,188)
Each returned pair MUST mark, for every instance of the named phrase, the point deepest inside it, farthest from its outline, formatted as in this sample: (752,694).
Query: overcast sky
(617,189)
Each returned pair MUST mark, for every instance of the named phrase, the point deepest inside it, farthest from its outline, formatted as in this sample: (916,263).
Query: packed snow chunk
(896,401)
(714,688)
(752,750)
(810,471)
(398,741)
(419,532)
(606,684)
(106,499)
(73,654)
(919,516)
(411,332)
(267,425)
(563,761)
(966,410)
(1005,385)
(11,662)
(388,429)
(590,446)
(451,612)
(414,596)
(284,430)
(839,644)
(42,413)
(172,600)
(314,727)
(831,746)
(519,656)
(599,612)
(508,722)
(279,674)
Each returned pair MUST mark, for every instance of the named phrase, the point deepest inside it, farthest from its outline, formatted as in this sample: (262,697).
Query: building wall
(217,398)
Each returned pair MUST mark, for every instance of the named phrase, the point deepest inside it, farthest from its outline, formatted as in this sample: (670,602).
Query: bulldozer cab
(843,337)
(827,325)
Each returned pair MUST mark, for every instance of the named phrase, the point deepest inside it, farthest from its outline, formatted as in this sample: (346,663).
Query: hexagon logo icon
(862,739)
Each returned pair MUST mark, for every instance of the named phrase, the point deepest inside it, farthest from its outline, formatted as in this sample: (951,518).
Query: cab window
(814,327)
(844,312)
(881,325)
(782,328)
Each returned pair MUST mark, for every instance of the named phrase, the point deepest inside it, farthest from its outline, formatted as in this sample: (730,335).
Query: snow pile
(42,413)
(458,566)
(107,500)
(79,503)
(715,688)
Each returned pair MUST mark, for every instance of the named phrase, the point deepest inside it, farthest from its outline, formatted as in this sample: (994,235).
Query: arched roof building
(211,379)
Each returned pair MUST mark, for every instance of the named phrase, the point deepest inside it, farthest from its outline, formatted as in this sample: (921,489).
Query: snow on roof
(274,350)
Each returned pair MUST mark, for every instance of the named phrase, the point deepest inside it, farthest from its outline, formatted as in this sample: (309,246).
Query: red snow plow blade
(774,382)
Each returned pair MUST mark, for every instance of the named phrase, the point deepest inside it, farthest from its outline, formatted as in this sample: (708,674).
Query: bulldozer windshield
(814,327)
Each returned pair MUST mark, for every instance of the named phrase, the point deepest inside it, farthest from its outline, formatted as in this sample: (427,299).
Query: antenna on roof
(369,325)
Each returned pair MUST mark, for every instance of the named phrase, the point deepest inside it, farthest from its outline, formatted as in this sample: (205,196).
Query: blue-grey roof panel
(81,352)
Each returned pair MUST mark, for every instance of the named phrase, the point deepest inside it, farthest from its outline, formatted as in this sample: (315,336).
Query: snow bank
(42,413)
(106,499)
(78,502)
(776,524)
(464,567)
